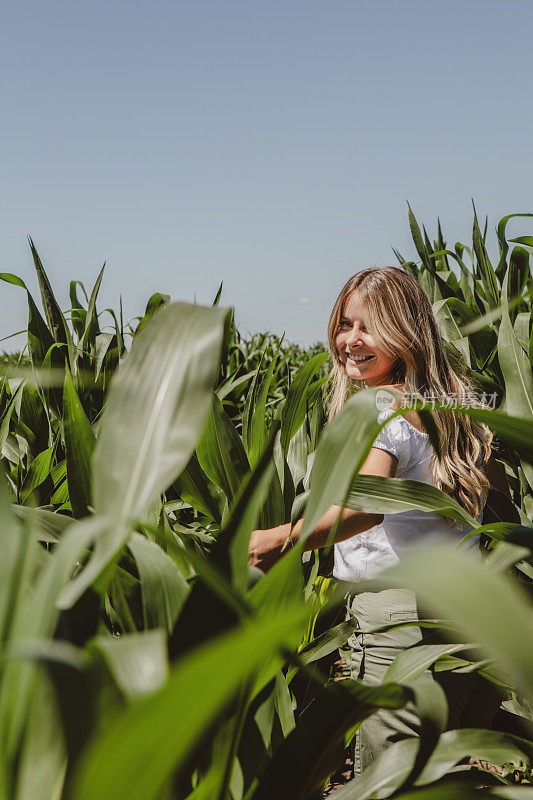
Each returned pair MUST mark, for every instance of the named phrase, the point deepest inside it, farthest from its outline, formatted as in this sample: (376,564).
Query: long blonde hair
(400,319)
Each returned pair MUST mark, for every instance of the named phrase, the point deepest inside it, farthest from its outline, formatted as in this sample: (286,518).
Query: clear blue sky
(268,144)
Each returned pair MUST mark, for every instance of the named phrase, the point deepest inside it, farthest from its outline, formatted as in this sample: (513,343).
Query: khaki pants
(472,701)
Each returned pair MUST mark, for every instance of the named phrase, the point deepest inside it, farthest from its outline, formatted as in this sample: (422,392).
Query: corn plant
(73,356)
(142,656)
(485,315)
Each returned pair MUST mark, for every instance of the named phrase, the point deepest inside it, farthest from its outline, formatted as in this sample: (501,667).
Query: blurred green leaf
(164,589)
(141,763)
(378,495)
(481,605)
(308,755)
(46,526)
(432,708)
(343,449)
(137,661)
(491,746)
(157,407)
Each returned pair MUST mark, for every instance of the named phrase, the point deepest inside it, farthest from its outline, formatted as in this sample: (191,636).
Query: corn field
(141,656)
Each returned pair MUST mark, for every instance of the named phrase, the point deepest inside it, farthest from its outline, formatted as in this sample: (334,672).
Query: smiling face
(358,352)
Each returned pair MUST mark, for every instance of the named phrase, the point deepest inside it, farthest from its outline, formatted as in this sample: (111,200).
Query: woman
(382,333)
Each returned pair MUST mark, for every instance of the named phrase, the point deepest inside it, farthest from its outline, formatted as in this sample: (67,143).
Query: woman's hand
(266,546)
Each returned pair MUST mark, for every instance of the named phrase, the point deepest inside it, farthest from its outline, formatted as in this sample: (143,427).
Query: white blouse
(368,553)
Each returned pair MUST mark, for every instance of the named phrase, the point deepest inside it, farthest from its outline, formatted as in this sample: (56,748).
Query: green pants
(471,701)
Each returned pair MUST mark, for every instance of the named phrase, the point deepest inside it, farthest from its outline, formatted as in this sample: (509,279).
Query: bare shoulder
(396,387)
(411,416)
(414,418)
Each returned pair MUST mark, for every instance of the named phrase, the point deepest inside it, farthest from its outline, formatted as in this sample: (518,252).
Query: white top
(368,553)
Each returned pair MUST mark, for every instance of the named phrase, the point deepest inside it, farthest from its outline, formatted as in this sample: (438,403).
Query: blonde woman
(382,333)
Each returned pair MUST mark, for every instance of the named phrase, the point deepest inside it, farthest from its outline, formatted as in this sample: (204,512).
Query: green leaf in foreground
(375,494)
(163,587)
(157,408)
(479,602)
(137,661)
(516,432)
(308,755)
(343,448)
(154,737)
(392,768)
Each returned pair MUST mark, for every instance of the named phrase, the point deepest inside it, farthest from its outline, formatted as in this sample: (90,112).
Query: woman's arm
(267,546)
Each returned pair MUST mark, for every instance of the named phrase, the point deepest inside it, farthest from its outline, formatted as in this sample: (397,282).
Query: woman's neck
(399,386)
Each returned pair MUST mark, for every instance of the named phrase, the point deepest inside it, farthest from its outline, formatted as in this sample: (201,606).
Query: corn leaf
(220,451)
(378,495)
(79,446)
(293,413)
(141,764)
(481,605)
(157,407)
(137,661)
(163,588)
